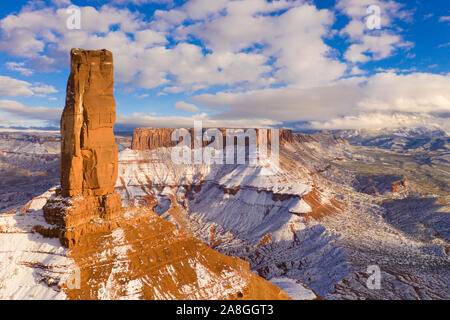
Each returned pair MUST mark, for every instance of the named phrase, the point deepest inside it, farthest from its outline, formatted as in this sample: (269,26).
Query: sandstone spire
(89,154)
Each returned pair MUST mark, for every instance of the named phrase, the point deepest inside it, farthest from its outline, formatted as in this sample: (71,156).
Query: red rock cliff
(89,157)
(88,149)
(152,138)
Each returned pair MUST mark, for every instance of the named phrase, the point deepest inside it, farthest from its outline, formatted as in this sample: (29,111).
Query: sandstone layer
(153,138)
(147,257)
(88,150)
(136,256)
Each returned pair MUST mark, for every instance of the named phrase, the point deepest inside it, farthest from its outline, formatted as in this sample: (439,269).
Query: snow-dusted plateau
(337,204)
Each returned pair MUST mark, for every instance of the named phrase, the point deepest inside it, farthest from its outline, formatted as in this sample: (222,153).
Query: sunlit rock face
(89,153)
(153,138)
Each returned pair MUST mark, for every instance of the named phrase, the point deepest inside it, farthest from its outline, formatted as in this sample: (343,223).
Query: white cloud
(43,89)
(374,44)
(357,71)
(359,102)
(3,120)
(291,49)
(294,39)
(27,33)
(141,2)
(283,104)
(181,105)
(10,87)
(144,120)
(270,58)
(19,67)
(200,9)
(374,48)
(382,93)
(379,121)
(193,70)
(444,19)
(60,3)
(415,92)
(17,109)
(142,60)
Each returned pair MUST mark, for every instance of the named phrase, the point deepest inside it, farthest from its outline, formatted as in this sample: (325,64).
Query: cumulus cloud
(256,48)
(444,19)
(415,92)
(283,104)
(367,44)
(265,62)
(380,120)
(181,105)
(141,2)
(10,87)
(27,33)
(19,67)
(384,92)
(294,39)
(16,109)
(383,100)
(144,120)
(374,48)
(42,90)
(248,44)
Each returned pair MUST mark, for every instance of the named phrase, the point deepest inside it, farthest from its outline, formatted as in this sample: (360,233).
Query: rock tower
(89,156)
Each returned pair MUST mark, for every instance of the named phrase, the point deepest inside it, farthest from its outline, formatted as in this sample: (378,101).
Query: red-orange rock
(89,156)
(88,149)
(147,257)
(153,138)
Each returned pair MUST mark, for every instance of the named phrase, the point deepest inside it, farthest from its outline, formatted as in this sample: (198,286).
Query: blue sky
(250,63)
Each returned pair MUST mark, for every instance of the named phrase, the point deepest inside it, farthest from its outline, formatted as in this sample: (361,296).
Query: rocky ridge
(153,138)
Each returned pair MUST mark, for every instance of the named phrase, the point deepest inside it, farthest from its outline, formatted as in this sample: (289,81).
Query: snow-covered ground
(310,228)
(31,266)
(307,224)
(293,288)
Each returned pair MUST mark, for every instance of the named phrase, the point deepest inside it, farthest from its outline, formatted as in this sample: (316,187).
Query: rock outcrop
(88,149)
(153,138)
(147,257)
(137,256)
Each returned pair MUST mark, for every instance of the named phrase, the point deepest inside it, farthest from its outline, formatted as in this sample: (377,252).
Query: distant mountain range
(401,139)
